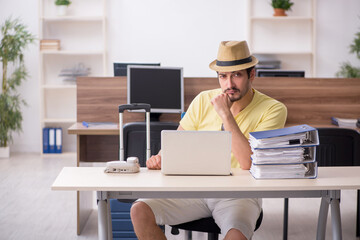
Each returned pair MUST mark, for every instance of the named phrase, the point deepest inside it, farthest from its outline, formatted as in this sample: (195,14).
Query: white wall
(179,33)
(337,23)
(176,33)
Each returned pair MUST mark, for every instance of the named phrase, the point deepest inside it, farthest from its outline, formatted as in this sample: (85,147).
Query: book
(307,170)
(295,136)
(49,44)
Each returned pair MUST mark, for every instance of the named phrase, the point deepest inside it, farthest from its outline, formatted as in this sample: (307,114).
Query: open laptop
(195,152)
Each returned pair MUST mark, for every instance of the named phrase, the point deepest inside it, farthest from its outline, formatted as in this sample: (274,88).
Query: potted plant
(280,6)
(14,39)
(346,69)
(61,7)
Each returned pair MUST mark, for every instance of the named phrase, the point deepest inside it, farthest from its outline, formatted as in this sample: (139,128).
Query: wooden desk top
(79,129)
(94,179)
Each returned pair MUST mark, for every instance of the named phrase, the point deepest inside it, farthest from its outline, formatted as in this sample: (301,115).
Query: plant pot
(5,152)
(61,10)
(279,12)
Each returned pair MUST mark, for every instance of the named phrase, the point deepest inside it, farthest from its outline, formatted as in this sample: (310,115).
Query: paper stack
(49,44)
(346,122)
(284,153)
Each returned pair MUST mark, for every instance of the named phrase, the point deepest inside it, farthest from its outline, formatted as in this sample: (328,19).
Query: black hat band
(233,63)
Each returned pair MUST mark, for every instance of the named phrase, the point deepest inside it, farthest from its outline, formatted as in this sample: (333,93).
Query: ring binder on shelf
(46,140)
(51,140)
(58,140)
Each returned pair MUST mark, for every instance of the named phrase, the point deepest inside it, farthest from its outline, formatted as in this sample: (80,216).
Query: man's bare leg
(143,220)
(234,234)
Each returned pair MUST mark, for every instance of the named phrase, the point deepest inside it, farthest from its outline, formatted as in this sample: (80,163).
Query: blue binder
(51,140)
(58,140)
(46,148)
(296,136)
(284,153)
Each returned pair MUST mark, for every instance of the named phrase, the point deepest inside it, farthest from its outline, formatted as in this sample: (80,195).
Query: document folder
(300,135)
(51,140)
(58,140)
(46,148)
(284,153)
(307,170)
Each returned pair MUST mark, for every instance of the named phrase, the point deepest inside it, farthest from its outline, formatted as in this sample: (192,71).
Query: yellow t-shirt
(263,113)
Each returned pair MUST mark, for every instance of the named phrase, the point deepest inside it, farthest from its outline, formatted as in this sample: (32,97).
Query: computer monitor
(120,69)
(161,87)
(279,73)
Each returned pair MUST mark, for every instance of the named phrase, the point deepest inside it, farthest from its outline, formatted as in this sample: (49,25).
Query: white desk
(152,184)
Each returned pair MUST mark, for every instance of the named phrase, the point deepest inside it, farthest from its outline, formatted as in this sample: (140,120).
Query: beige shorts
(240,214)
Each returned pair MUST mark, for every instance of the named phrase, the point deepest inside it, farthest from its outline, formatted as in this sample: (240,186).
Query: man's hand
(222,105)
(154,162)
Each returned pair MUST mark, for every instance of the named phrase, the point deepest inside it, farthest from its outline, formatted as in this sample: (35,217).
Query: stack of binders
(52,140)
(284,153)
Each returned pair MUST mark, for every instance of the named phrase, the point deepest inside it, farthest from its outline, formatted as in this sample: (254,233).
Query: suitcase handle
(134,106)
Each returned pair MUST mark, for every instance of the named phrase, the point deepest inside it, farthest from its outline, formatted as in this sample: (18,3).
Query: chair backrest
(338,147)
(135,138)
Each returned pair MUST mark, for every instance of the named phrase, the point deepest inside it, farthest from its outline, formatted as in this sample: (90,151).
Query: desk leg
(332,199)
(84,199)
(358,215)
(323,213)
(104,226)
(336,217)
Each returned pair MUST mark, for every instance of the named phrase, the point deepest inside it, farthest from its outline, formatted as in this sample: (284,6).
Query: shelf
(69,52)
(290,40)
(72,18)
(285,19)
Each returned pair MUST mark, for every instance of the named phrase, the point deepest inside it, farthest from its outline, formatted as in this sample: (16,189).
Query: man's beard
(242,93)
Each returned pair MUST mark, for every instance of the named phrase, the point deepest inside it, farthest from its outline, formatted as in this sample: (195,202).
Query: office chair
(206,225)
(338,147)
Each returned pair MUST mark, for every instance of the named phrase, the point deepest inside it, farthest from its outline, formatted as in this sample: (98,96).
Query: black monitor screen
(120,69)
(161,87)
(279,73)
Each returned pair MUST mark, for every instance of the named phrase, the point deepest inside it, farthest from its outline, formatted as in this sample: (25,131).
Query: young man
(235,107)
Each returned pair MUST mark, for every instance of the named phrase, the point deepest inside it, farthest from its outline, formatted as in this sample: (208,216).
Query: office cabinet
(290,39)
(81,38)
(121,222)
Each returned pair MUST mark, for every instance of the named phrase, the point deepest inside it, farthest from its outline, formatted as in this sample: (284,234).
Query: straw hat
(233,56)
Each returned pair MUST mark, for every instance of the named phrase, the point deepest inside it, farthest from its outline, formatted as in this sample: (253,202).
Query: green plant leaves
(284,4)
(15,39)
